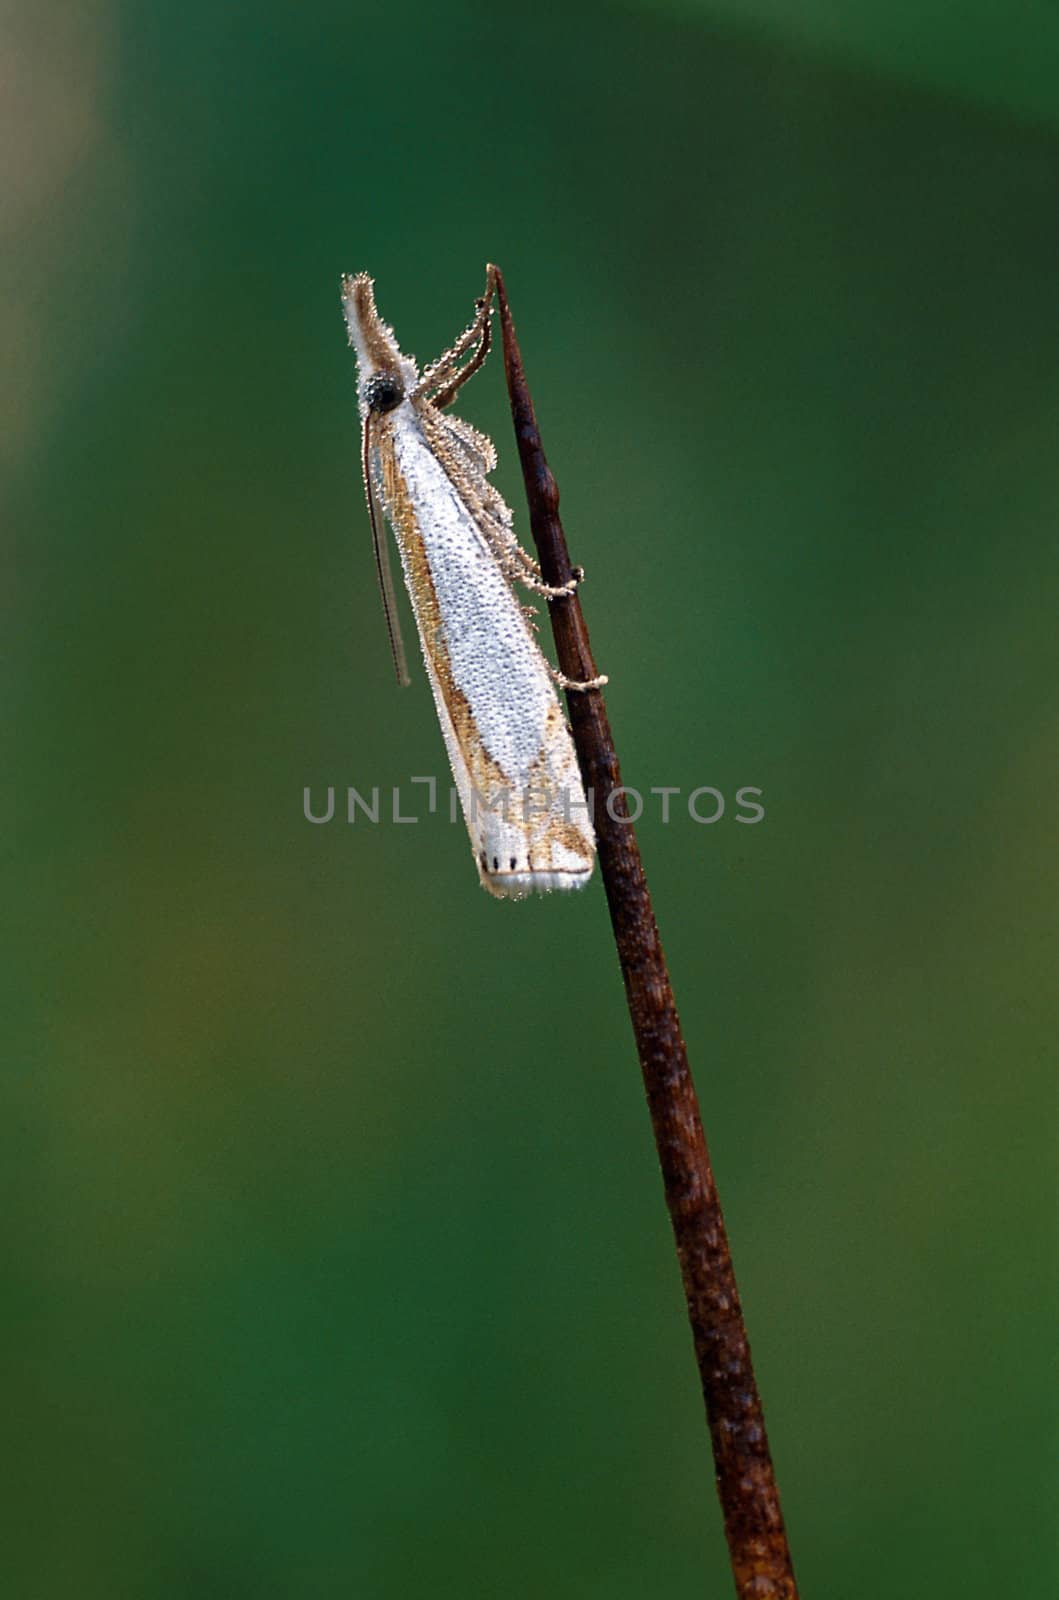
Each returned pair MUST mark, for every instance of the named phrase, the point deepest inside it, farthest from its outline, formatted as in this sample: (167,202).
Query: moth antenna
(382,566)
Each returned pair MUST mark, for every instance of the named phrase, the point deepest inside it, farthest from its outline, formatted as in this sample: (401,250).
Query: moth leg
(467,456)
(466,440)
(520,565)
(445,374)
(443,369)
(550,591)
(459,378)
(517,562)
(572,683)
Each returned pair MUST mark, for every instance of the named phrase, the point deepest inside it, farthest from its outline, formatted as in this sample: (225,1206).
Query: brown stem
(753,1521)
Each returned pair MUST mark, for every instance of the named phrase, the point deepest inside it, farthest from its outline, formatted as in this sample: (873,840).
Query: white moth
(511,752)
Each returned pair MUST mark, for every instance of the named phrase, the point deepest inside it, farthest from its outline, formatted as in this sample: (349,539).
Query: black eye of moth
(383,391)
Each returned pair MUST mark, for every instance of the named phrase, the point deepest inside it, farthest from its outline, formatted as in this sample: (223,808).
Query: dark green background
(335,1250)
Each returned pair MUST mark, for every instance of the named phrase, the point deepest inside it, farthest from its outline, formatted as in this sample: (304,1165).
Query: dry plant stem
(753,1522)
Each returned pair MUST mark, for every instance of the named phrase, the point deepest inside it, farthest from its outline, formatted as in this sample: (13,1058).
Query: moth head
(386,376)
(383,390)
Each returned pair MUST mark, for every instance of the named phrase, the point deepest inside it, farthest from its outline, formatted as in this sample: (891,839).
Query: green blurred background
(335,1255)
